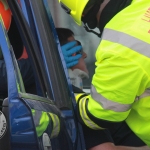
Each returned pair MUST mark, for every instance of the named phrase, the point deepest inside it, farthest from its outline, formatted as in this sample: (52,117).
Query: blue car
(45,119)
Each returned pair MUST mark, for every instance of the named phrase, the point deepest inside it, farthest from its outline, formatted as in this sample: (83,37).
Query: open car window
(54,99)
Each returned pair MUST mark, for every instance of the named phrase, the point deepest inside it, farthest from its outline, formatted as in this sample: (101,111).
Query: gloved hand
(68,50)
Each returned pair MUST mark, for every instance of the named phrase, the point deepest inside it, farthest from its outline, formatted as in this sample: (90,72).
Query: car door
(27,121)
(39,17)
(54,98)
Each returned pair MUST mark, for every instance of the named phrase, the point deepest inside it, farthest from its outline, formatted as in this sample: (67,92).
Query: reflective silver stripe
(127,40)
(56,125)
(85,117)
(108,104)
(145,94)
(36,117)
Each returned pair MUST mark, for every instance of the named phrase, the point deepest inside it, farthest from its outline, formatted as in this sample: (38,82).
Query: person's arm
(113,92)
(116,84)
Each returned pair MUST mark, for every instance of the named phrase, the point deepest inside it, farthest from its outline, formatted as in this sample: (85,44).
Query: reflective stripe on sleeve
(77,96)
(127,40)
(108,104)
(85,117)
(56,125)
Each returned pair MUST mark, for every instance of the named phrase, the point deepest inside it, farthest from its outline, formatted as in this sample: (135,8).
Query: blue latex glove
(68,50)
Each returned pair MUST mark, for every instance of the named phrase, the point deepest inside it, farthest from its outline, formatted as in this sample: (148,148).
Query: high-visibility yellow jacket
(120,87)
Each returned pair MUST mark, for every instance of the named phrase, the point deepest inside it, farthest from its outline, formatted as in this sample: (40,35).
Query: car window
(54,98)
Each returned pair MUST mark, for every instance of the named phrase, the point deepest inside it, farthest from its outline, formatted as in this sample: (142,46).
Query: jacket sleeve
(26,72)
(114,88)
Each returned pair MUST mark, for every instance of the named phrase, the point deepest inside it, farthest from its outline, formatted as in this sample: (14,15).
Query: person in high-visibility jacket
(120,90)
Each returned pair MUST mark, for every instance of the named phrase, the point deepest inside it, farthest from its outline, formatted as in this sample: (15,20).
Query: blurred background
(89,41)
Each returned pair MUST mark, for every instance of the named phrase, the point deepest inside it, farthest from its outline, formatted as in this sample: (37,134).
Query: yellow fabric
(116,62)
(43,122)
(76,7)
(33,112)
(122,74)
(137,24)
(56,125)
(133,20)
(139,119)
(77,96)
(96,110)
(85,117)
